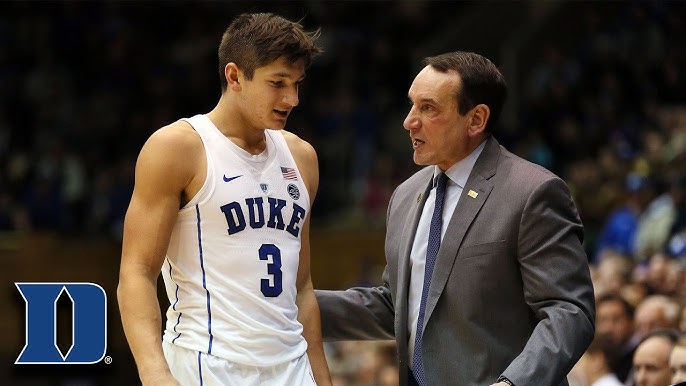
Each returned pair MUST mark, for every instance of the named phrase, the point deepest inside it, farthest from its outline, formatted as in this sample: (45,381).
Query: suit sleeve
(358,313)
(557,287)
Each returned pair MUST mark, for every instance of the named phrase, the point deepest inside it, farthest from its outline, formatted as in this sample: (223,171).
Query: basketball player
(221,206)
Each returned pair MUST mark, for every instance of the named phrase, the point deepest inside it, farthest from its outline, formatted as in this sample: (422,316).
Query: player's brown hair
(254,40)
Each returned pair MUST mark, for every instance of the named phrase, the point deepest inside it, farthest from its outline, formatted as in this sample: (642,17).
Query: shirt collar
(459,173)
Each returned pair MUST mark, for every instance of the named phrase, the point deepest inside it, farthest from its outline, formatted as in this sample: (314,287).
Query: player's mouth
(417,143)
(281,113)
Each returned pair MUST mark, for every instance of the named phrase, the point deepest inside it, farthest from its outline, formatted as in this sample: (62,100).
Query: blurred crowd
(83,84)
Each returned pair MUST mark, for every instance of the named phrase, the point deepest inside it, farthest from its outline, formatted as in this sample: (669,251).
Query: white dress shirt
(608,380)
(457,178)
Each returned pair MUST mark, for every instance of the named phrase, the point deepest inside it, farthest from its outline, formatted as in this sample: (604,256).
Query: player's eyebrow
(286,75)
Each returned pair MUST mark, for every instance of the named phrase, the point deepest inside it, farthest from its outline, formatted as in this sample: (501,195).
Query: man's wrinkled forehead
(431,85)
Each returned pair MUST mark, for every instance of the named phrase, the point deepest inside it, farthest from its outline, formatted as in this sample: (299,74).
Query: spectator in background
(619,233)
(655,225)
(594,367)
(676,243)
(676,246)
(651,360)
(611,274)
(656,312)
(677,360)
(661,275)
(615,324)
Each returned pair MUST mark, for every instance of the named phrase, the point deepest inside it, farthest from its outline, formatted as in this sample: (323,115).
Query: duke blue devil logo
(89,326)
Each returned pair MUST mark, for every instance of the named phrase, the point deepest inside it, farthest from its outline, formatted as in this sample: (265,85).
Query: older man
(651,359)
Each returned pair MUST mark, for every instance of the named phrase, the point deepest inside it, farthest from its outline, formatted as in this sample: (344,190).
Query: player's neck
(232,124)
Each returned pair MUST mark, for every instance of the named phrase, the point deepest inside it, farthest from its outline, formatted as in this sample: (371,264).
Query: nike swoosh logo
(227,179)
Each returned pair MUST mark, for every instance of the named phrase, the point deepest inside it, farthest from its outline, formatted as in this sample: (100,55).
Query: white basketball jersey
(232,261)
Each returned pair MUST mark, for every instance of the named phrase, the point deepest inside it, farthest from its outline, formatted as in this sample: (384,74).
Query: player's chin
(279,121)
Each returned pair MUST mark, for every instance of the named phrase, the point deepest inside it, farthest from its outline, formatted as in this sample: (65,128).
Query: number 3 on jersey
(273,268)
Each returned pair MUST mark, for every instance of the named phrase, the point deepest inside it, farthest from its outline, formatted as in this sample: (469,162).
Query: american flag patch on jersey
(288,173)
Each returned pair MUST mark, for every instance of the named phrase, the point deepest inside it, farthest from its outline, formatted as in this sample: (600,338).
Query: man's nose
(411,121)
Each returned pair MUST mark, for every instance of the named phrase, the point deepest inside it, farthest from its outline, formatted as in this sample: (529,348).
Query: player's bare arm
(308,309)
(163,183)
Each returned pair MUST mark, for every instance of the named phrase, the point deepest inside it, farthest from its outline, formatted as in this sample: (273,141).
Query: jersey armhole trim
(207,188)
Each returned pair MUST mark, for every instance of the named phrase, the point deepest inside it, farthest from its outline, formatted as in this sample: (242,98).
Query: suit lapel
(409,231)
(465,212)
(413,215)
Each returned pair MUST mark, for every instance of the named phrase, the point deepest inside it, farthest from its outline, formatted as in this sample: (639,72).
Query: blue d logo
(89,328)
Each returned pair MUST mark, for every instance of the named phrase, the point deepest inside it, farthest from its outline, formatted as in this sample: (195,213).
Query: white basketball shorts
(192,368)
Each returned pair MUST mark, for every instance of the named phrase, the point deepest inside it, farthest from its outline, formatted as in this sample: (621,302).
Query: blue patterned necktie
(431,253)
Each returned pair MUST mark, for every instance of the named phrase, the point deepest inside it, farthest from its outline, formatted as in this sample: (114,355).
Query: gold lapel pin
(419,198)
(472,194)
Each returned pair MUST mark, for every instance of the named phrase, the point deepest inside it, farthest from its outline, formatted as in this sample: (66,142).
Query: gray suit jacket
(510,293)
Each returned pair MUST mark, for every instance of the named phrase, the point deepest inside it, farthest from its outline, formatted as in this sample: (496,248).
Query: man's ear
(232,74)
(478,119)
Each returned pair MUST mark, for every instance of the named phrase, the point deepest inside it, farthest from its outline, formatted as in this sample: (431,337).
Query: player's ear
(478,118)
(232,74)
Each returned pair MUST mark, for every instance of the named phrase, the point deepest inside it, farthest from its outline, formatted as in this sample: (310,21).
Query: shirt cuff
(502,378)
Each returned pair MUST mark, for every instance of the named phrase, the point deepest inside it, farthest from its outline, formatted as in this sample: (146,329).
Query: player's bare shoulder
(299,147)
(306,158)
(177,136)
(175,149)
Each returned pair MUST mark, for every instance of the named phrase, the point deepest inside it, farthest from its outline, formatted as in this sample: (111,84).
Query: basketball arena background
(597,95)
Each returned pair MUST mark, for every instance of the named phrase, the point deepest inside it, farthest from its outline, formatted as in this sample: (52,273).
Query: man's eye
(276,83)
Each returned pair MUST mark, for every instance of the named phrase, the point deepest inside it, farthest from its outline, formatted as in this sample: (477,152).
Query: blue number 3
(273,268)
